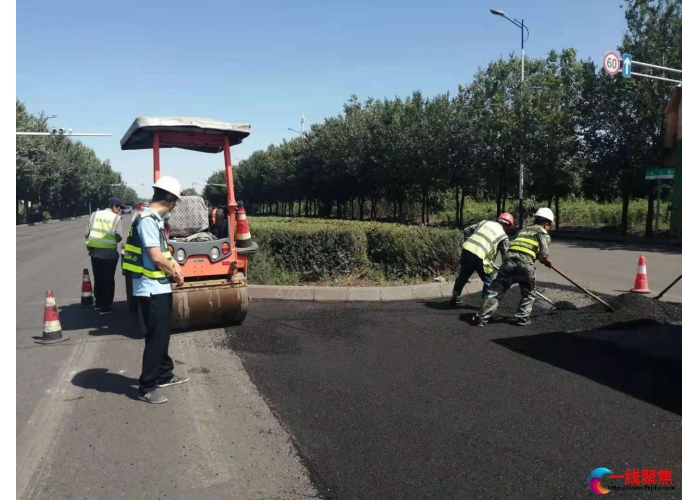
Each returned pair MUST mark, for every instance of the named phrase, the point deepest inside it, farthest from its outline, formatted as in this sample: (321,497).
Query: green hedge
(574,212)
(313,250)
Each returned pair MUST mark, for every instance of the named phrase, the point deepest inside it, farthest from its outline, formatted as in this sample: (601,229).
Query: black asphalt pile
(630,308)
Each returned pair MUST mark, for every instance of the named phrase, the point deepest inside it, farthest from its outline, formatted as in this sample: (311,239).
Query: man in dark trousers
(146,255)
(102,236)
(529,246)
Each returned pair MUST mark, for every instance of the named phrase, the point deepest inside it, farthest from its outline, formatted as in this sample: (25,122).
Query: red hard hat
(506,217)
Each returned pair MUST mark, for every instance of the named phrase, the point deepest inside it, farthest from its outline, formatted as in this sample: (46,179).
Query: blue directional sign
(626,65)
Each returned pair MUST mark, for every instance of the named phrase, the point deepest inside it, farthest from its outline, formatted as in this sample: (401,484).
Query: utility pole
(520,24)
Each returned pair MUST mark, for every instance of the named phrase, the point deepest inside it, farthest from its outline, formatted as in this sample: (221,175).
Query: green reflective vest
(103,230)
(484,243)
(528,241)
(133,261)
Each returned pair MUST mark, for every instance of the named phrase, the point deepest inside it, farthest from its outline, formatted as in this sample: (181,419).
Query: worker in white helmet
(530,245)
(146,255)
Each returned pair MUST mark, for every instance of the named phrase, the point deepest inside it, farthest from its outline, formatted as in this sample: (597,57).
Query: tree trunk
(457,210)
(625,211)
(337,209)
(461,207)
(422,208)
(648,229)
(352,208)
(427,206)
(394,201)
(401,208)
(556,210)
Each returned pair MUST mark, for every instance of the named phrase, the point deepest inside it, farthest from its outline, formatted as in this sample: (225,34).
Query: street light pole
(520,24)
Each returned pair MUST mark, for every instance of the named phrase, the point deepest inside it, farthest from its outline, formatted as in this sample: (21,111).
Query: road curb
(358,294)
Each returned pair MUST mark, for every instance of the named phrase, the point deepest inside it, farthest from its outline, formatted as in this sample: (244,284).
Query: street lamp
(520,24)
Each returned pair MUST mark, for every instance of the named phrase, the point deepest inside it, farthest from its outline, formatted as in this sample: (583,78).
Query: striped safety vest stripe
(526,242)
(103,230)
(484,242)
(133,255)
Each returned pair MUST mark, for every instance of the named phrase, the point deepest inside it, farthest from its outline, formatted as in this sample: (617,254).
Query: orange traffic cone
(243,239)
(640,283)
(86,292)
(53,333)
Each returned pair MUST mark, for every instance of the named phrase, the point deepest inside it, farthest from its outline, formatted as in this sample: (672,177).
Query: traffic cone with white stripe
(243,239)
(53,333)
(640,283)
(86,292)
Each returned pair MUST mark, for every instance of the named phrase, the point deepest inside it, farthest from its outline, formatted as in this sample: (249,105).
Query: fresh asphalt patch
(408,400)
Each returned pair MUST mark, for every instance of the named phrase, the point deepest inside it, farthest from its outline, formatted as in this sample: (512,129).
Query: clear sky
(100,64)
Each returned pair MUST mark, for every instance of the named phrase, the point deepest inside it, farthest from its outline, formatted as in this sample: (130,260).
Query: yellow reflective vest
(103,230)
(484,243)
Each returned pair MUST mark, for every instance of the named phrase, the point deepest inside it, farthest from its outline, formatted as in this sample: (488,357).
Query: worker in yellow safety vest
(529,246)
(153,270)
(484,240)
(102,236)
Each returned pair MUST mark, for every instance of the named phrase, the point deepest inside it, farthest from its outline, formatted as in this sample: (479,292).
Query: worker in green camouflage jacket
(530,245)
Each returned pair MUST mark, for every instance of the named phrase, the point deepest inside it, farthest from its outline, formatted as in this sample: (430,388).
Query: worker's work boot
(478,321)
(524,322)
(456,301)
(153,397)
(174,380)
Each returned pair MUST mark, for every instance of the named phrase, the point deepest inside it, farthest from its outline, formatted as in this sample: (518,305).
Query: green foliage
(263,270)
(60,175)
(582,134)
(573,212)
(410,251)
(314,251)
(319,249)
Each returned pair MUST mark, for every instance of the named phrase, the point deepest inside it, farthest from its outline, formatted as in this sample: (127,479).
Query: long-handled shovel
(668,287)
(563,305)
(583,289)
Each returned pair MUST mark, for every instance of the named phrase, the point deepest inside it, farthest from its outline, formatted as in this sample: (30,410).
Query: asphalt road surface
(402,400)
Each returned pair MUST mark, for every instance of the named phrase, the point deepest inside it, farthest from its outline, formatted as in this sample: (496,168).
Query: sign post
(613,64)
(659,174)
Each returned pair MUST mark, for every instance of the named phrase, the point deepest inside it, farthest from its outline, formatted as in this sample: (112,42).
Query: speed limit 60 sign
(611,63)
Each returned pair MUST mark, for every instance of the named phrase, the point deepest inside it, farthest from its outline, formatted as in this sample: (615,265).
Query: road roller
(215,269)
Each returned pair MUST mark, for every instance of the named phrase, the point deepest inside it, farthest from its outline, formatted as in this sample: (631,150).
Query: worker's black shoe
(456,302)
(477,321)
(153,397)
(524,322)
(174,380)
(104,312)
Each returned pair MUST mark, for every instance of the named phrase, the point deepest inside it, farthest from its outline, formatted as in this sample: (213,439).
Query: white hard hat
(169,184)
(545,213)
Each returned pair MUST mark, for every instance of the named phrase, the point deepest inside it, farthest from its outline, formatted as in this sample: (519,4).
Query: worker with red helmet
(529,246)
(484,240)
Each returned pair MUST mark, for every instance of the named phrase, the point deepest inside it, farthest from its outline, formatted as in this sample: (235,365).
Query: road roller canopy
(196,134)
